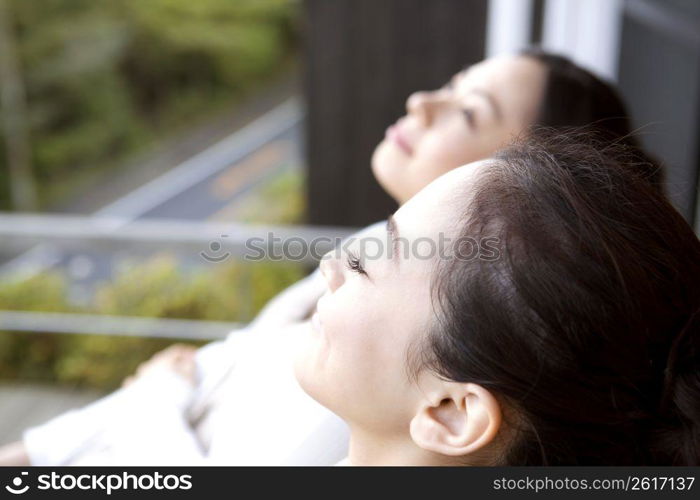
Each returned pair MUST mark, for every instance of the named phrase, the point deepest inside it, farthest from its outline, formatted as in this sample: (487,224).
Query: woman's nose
(331,271)
(423,105)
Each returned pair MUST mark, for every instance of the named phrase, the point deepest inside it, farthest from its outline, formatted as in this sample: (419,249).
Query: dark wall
(659,76)
(363,59)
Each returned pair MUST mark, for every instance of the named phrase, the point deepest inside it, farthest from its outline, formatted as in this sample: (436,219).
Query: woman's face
(479,111)
(353,359)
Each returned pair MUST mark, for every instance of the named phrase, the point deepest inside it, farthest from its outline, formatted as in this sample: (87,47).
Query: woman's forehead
(500,73)
(497,64)
(441,201)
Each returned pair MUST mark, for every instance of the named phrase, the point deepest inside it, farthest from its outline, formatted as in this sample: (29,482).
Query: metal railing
(128,326)
(67,232)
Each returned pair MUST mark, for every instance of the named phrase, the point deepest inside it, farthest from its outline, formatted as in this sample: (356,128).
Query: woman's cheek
(442,155)
(353,321)
(464,148)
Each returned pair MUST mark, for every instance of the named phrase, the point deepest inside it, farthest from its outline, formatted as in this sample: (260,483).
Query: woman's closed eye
(469,115)
(354,264)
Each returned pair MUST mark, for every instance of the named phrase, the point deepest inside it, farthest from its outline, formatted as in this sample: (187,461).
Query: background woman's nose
(422,105)
(415,105)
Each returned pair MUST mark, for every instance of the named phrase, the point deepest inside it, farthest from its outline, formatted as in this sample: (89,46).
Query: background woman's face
(479,111)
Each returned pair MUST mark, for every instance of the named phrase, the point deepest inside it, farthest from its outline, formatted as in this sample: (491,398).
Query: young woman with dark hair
(574,339)
(195,400)
(482,108)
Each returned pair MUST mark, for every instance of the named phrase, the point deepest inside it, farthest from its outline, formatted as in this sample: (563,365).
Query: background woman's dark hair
(576,98)
(587,325)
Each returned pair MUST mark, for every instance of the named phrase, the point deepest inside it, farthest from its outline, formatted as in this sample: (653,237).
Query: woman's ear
(457,420)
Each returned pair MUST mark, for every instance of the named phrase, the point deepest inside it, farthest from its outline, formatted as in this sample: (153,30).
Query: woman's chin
(388,169)
(310,356)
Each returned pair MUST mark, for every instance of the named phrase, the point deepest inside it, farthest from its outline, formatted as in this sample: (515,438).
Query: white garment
(246,408)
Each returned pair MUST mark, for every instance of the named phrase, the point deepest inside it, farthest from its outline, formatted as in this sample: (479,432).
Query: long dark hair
(588,325)
(574,98)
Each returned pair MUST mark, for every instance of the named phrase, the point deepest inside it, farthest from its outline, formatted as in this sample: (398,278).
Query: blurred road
(206,186)
(25,405)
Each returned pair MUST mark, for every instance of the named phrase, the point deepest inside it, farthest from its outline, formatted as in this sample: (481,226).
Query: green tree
(14,119)
(105,78)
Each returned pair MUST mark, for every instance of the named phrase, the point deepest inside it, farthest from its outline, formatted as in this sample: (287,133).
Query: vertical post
(14,121)
(363,59)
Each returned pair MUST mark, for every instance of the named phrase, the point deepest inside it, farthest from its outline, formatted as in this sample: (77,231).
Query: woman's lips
(394,134)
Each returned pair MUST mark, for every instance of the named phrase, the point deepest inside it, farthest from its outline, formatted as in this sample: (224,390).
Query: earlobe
(466,419)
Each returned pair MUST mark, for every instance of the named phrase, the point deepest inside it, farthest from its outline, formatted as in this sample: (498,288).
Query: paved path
(24,405)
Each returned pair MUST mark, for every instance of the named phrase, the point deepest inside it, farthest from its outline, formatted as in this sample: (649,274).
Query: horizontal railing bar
(179,235)
(129,326)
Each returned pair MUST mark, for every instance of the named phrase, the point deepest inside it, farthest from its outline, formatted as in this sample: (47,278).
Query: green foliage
(157,288)
(45,292)
(279,200)
(106,77)
(160,289)
(31,357)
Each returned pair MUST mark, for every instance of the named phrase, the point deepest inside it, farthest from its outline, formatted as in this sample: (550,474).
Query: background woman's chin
(388,166)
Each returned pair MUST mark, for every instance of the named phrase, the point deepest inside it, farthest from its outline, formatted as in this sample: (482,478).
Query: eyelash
(469,116)
(468,113)
(355,265)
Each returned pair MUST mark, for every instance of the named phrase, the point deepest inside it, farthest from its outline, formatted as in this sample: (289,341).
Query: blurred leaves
(158,288)
(279,200)
(105,77)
